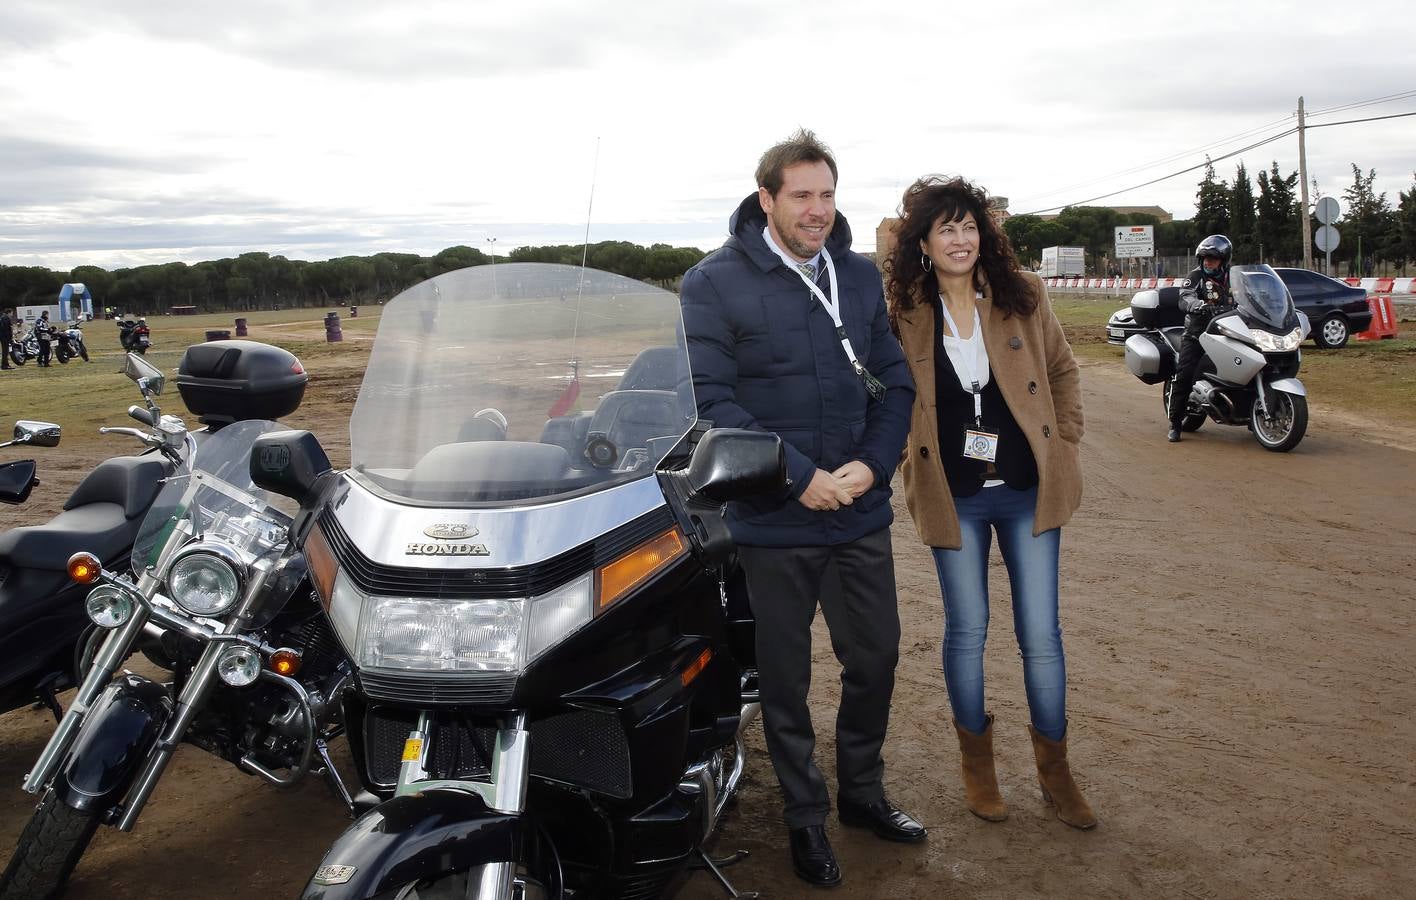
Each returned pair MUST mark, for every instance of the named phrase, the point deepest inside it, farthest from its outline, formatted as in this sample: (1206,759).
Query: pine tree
(1212,204)
(1243,223)
(1277,224)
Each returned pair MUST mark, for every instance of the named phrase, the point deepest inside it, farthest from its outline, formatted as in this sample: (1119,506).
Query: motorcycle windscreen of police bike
(526,564)
(1249,371)
(220,596)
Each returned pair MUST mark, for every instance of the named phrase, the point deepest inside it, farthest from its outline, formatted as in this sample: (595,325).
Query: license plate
(1115,332)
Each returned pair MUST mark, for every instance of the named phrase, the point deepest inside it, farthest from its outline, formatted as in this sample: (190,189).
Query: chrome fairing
(387,532)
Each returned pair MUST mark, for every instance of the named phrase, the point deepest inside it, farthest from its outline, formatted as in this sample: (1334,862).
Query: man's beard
(795,245)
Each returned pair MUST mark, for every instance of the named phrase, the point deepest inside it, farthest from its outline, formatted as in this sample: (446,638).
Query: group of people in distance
(954,369)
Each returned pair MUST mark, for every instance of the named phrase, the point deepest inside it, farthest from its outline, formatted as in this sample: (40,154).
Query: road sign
(1326,237)
(1135,240)
(1327,213)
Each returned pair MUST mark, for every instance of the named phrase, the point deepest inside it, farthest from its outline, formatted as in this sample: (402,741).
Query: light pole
(492,242)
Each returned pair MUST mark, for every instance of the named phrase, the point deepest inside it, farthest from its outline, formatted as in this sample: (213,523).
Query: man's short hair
(802,147)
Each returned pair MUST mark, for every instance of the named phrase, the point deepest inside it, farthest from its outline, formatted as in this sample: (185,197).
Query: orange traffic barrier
(1354,282)
(1383,319)
(1384,285)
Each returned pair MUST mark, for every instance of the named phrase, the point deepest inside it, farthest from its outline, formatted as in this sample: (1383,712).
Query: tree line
(262,281)
(1264,224)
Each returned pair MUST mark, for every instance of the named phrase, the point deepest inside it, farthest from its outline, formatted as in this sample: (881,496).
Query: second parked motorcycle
(135,337)
(1249,373)
(69,343)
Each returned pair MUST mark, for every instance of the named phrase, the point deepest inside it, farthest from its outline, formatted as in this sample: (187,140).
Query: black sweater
(954,408)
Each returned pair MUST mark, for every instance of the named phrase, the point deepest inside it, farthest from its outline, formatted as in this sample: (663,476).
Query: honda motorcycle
(549,691)
(69,343)
(1248,375)
(256,673)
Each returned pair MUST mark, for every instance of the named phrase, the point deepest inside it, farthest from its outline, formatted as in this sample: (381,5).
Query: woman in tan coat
(993,447)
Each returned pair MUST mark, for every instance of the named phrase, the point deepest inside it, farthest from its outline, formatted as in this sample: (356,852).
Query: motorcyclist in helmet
(1204,294)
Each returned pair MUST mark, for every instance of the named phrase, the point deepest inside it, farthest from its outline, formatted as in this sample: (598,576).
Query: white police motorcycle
(1248,375)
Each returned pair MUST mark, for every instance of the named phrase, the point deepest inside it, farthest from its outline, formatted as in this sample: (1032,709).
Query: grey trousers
(855,586)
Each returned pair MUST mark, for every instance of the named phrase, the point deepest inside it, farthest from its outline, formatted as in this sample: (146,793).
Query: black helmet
(1215,245)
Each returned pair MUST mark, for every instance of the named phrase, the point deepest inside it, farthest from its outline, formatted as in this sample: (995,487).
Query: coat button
(1046,431)
(924,451)
(1032,387)
(1015,342)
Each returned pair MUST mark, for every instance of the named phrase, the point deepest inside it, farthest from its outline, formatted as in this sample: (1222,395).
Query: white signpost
(1326,237)
(1135,241)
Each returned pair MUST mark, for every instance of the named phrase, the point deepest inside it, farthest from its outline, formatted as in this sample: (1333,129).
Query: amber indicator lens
(84,568)
(696,667)
(284,662)
(635,567)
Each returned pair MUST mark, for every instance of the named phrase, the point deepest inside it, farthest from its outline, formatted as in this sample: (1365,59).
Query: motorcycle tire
(1286,427)
(62,356)
(1192,421)
(17,356)
(142,351)
(48,850)
(83,351)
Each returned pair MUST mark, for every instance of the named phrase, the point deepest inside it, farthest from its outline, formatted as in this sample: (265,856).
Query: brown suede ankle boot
(980,779)
(1058,788)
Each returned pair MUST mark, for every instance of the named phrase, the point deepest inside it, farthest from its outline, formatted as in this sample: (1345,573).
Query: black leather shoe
(884,819)
(1173,435)
(812,857)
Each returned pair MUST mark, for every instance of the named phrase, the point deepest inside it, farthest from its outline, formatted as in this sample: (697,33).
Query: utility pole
(1303,180)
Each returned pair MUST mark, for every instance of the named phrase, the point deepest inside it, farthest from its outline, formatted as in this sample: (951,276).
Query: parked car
(1336,310)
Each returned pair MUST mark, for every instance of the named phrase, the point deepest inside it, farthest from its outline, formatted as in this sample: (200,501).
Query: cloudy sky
(151,130)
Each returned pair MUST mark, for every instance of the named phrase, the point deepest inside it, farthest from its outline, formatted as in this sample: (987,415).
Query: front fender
(416,836)
(1289,386)
(117,735)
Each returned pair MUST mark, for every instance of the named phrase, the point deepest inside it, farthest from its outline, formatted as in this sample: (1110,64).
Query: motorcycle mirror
(149,378)
(733,463)
(36,434)
(289,463)
(17,480)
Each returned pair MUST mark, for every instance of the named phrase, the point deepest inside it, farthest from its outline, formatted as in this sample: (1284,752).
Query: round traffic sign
(1326,237)
(1327,212)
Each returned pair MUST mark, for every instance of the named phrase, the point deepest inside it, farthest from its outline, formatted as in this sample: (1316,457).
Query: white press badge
(979,442)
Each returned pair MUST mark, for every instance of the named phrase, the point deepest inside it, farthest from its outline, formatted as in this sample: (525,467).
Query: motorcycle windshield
(1262,298)
(215,499)
(520,381)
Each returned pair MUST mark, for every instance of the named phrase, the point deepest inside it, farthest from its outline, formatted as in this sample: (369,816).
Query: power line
(1371,119)
(1360,103)
(1207,162)
(1174,156)
(1267,140)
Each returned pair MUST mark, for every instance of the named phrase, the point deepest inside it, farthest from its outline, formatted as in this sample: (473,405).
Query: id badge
(981,445)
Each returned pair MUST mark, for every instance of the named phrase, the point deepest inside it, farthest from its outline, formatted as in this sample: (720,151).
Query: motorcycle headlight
(1278,343)
(108,606)
(413,633)
(206,579)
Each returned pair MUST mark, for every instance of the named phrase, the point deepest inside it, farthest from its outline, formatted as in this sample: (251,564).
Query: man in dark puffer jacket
(768,353)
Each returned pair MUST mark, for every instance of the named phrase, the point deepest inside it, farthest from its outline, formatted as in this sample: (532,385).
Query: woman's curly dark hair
(929,199)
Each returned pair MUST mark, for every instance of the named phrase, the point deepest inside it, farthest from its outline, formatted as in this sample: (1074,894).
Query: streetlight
(492,242)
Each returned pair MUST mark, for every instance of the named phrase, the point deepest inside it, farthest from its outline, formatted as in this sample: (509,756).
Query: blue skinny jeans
(1032,573)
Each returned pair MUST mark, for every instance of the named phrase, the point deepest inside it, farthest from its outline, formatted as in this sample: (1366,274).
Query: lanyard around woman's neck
(873,385)
(969,359)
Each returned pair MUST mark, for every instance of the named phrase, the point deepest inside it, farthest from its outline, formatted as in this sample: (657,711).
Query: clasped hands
(833,490)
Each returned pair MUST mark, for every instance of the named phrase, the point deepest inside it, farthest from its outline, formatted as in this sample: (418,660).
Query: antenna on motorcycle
(572,390)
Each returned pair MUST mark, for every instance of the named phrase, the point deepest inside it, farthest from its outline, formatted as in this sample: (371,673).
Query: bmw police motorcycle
(526,564)
(1249,373)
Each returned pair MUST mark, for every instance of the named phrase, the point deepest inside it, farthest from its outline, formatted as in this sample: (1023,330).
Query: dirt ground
(1238,627)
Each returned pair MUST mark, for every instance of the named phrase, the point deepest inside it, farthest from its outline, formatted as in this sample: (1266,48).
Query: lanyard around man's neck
(873,385)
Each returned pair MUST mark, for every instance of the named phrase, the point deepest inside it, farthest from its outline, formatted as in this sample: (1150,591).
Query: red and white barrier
(1384,286)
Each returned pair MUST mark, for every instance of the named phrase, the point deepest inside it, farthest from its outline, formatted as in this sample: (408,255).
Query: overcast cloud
(200,129)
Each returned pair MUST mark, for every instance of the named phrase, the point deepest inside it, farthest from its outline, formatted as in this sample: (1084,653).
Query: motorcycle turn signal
(84,567)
